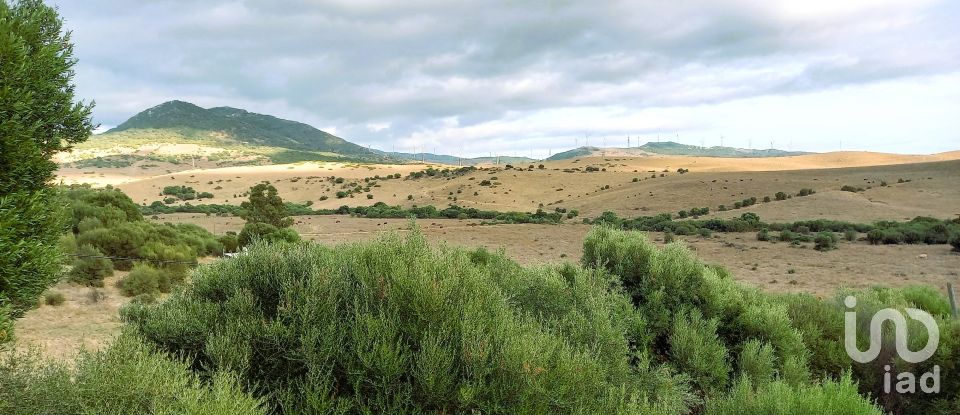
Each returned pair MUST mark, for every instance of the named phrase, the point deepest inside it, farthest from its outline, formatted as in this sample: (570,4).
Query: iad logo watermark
(906,381)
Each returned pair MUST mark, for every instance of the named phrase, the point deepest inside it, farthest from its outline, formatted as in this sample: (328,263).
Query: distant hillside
(240,126)
(673,149)
(454,160)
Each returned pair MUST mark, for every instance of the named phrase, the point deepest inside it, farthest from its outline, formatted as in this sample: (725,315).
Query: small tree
(38,118)
(265,206)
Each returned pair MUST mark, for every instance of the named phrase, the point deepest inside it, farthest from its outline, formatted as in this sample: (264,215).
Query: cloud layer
(506,76)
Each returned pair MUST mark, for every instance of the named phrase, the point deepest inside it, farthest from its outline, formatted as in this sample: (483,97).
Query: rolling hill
(238,125)
(671,148)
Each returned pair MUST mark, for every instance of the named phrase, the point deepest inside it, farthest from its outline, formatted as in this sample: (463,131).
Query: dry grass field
(711,182)
(929,189)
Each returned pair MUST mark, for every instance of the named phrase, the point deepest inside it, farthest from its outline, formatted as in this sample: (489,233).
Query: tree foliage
(265,206)
(38,118)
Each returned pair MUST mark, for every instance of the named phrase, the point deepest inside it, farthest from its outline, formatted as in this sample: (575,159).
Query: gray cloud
(412,68)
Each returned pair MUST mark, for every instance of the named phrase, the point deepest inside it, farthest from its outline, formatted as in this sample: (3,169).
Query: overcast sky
(533,77)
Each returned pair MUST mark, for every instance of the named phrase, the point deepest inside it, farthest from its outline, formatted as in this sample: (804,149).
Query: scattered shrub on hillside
(806,192)
(144,279)
(850,235)
(825,241)
(781,196)
(90,267)
(53,298)
(955,242)
(848,188)
(766,199)
(668,237)
(763,235)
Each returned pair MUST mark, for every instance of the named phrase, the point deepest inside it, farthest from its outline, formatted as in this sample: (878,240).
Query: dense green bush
(805,334)
(90,267)
(265,232)
(393,326)
(829,397)
(30,227)
(127,377)
(144,279)
(230,242)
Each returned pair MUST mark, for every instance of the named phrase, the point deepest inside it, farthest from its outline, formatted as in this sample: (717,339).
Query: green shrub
(230,242)
(763,235)
(955,242)
(757,362)
(265,232)
(828,398)
(90,267)
(780,196)
(127,377)
(850,235)
(53,298)
(668,237)
(395,326)
(144,279)
(30,227)
(173,260)
(788,236)
(144,299)
(698,352)
(825,241)
(6,324)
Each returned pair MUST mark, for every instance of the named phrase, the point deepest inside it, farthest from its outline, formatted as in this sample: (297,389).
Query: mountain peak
(239,125)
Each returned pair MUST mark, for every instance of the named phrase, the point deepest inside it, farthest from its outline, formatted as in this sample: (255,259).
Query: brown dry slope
(627,186)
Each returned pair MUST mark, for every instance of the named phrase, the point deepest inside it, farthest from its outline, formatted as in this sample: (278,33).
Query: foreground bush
(831,397)
(126,378)
(393,326)
(30,226)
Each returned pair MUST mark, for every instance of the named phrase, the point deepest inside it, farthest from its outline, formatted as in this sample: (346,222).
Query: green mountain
(675,149)
(237,125)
